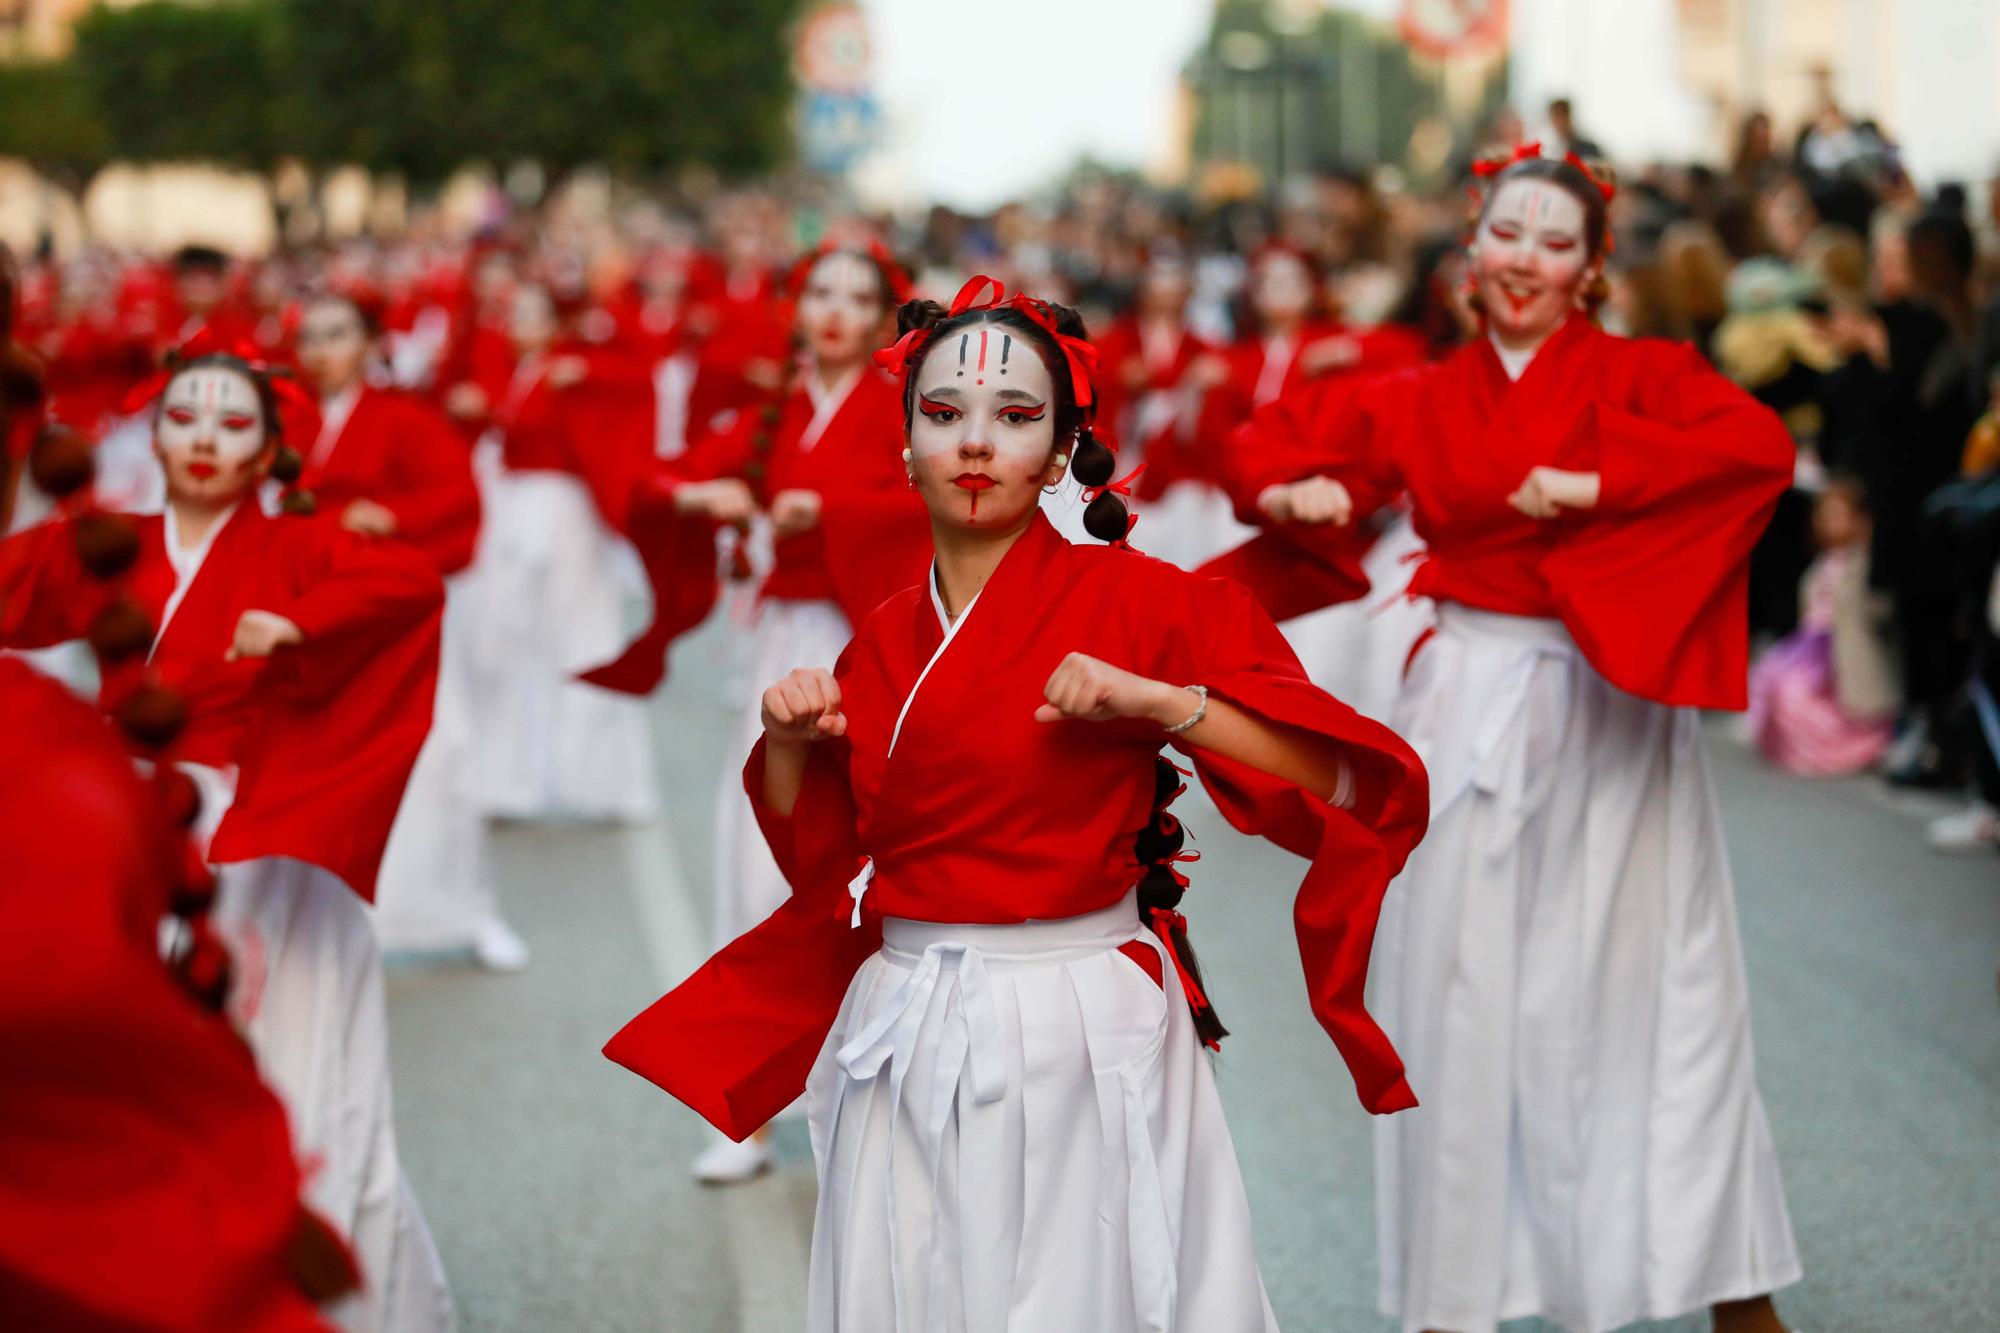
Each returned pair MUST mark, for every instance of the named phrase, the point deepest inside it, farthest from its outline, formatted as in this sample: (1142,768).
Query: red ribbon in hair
(892,272)
(1525,151)
(1077,352)
(1163,921)
(205,343)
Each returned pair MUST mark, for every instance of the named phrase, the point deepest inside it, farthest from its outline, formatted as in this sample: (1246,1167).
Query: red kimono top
(395,449)
(323,735)
(146,1175)
(1141,404)
(972,811)
(1652,582)
(874,536)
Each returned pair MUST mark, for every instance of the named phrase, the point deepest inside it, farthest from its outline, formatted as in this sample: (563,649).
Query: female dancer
(306,656)
(845,533)
(1012,1120)
(548,598)
(1562,965)
(386,464)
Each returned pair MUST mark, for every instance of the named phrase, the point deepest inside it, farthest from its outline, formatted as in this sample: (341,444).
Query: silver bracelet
(1199,713)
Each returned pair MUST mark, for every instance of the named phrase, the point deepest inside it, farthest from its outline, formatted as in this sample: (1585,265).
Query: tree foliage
(639,85)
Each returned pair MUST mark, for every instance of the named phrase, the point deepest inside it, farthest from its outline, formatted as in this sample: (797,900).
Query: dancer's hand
(261,633)
(1547,491)
(804,706)
(368,518)
(1314,500)
(794,512)
(1329,354)
(726,500)
(1095,691)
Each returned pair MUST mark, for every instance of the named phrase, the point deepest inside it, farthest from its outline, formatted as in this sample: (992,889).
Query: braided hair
(1091,462)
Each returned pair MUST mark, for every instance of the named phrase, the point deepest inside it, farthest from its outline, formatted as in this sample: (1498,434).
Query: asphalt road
(557,1183)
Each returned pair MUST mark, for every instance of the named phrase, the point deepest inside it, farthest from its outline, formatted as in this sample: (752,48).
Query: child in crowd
(1823,698)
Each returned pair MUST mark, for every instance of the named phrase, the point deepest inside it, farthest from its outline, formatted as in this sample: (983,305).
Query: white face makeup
(1284,288)
(840,307)
(983,432)
(531,322)
(210,435)
(333,345)
(1530,259)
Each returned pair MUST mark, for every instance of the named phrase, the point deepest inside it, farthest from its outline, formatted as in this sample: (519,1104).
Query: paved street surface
(557,1183)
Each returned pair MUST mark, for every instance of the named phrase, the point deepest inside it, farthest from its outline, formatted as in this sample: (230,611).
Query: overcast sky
(983,101)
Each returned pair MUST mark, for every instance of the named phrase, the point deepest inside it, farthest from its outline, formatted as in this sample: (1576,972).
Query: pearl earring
(907,455)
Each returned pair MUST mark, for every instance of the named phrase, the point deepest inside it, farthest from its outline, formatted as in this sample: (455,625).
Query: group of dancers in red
(362,621)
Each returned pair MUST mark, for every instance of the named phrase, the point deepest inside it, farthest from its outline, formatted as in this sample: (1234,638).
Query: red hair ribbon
(1163,921)
(1525,151)
(893,274)
(205,343)
(1077,352)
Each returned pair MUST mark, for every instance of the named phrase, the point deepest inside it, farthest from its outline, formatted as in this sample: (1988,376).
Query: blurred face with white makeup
(210,436)
(1532,258)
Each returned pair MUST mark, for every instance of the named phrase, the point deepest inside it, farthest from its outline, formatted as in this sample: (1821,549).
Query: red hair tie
(1080,355)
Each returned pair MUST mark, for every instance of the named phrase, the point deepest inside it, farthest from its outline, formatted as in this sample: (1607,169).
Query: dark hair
(1160,891)
(1581,186)
(200,259)
(888,282)
(1090,461)
(369,312)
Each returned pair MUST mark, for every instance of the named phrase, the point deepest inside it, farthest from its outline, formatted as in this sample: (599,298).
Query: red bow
(892,272)
(1077,352)
(1163,921)
(204,342)
(1523,152)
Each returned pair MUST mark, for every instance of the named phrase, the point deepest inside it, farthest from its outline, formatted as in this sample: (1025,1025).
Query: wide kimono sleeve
(146,1177)
(1335,428)
(343,714)
(1355,848)
(1654,581)
(46,595)
(736,1040)
(436,500)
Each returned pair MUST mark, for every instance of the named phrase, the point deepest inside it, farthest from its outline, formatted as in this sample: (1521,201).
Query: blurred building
(1673,79)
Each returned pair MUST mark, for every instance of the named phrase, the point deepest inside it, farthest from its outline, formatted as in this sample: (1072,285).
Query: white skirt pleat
(435,888)
(547,601)
(1189,525)
(308,996)
(782,635)
(1356,650)
(1016,1130)
(1559,966)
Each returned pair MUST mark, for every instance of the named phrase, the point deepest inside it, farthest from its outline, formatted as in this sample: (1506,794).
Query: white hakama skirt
(1356,650)
(1560,968)
(307,996)
(435,888)
(783,635)
(1016,1130)
(1189,525)
(548,601)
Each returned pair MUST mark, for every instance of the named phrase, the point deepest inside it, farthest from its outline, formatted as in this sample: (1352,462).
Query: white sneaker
(498,948)
(726,1162)
(1973,829)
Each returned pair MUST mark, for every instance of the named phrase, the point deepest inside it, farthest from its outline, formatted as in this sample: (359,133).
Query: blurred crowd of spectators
(1866,311)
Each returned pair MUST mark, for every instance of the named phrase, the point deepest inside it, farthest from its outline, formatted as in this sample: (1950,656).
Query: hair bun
(152,715)
(1105,518)
(120,632)
(106,544)
(1091,462)
(299,504)
(286,465)
(60,461)
(918,315)
(1068,322)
